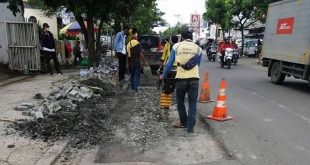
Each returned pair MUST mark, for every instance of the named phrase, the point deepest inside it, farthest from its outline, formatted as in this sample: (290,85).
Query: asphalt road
(271,124)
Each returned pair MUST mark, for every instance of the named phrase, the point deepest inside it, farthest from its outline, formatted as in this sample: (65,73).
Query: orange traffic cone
(205,90)
(220,110)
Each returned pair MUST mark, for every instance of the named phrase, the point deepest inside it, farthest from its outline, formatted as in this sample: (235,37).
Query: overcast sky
(184,8)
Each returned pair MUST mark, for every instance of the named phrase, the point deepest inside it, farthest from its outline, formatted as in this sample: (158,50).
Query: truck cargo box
(287,33)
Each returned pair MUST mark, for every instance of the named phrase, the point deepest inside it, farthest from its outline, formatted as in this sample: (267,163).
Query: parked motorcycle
(103,50)
(228,58)
(212,53)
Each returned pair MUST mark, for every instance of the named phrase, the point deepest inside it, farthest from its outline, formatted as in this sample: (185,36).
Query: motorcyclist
(208,46)
(233,45)
(222,48)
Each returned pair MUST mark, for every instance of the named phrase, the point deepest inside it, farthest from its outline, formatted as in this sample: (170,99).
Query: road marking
(300,148)
(304,118)
(253,157)
(268,120)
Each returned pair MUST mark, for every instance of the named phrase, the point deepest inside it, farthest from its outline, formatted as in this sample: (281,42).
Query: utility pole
(178,16)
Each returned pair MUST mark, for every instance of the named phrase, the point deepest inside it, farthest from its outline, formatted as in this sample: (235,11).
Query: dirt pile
(86,124)
(104,87)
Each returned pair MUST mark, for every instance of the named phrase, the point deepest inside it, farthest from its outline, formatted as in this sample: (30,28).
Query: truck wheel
(276,76)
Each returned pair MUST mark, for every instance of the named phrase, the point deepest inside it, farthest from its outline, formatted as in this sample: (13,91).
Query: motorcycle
(235,56)
(212,53)
(103,50)
(228,58)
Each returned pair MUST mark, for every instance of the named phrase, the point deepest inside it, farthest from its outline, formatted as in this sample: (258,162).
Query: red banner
(285,25)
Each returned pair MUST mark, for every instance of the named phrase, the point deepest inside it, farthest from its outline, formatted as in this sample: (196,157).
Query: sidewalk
(15,149)
(7,76)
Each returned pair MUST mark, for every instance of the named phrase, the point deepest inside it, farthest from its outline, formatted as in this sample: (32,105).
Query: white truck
(286,48)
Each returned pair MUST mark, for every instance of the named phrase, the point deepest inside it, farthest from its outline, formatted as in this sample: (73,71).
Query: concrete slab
(53,153)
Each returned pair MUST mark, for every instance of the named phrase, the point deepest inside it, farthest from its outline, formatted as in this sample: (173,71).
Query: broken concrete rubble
(84,95)
(29,105)
(73,92)
(58,96)
(66,91)
(85,90)
(21,108)
(38,96)
(67,104)
(54,107)
(68,111)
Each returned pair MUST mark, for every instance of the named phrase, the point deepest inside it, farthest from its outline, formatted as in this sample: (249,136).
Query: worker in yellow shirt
(169,82)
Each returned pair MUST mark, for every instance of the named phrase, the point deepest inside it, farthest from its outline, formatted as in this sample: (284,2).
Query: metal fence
(23,41)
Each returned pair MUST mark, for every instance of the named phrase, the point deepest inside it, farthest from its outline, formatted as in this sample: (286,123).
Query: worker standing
(188,57)
(120,49)
(169,82)
(134,61)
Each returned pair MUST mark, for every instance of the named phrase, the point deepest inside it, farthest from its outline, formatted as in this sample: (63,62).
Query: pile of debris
(79,110)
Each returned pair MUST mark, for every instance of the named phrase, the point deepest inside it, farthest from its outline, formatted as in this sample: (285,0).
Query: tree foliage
(146,17)
(242,13)
(142,14)
(178,29)
(15,6)
(217,12)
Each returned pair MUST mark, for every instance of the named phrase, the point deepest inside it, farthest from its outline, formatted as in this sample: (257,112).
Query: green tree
(247,12)
(100,12)
(243,13)
(146,17)
(217,13)
(15,6)
(178,29)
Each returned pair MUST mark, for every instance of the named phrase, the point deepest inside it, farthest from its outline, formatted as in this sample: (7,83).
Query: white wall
(41,18)
(6,15)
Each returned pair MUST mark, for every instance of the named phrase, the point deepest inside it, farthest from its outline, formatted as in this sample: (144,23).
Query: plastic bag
(147,71)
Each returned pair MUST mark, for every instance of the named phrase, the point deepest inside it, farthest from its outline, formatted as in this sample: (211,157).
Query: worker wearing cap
(187,80)
(48,49)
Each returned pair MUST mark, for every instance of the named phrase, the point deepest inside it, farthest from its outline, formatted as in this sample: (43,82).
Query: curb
(217,136)
(53,153)
(15,79)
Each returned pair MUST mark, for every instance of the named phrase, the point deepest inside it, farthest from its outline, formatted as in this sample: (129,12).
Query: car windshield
(149,42)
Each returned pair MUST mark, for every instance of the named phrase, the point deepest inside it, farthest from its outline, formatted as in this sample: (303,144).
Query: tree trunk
(91,41)
(98,45)
(117,25)
(242,39)
(223,31)
(80,20)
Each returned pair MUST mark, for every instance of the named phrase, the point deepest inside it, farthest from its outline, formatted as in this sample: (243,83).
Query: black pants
(77,59)
(121,66)
(222,57)
(48,56)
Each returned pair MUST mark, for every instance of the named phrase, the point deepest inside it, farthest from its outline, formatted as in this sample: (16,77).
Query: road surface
(271,123)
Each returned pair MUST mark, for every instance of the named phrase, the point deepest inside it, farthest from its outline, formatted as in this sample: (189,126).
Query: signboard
(285,25)
(195,20)
(213,31)
(195,23)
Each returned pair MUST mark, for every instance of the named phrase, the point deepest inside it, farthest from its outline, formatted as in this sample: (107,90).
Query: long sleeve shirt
(181,53)
(119,43)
